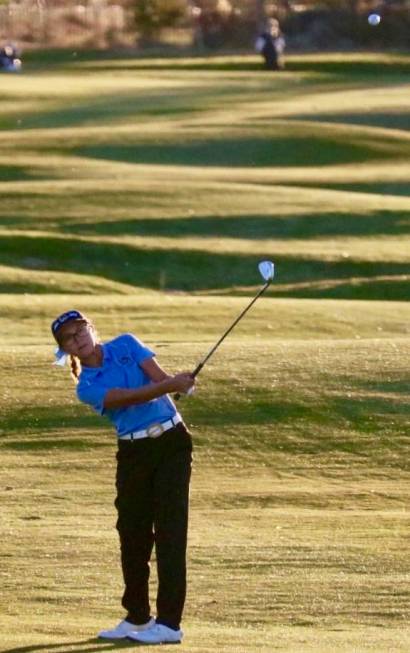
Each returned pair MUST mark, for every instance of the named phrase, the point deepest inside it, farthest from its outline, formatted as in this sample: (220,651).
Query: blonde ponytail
(75,367)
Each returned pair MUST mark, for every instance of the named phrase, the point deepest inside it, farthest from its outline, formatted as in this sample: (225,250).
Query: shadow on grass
(167,58)
(40,419)
(261,421)
(60,56)
(32,288)
(69,444)
(253,227)
(163,58)
(394,120)
(343,66)
(394,387)
(81,646)
(332,425)
(122,106)
(19,173)
(191,270)
(260,150)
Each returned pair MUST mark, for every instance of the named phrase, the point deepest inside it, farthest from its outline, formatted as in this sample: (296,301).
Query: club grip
(178,395)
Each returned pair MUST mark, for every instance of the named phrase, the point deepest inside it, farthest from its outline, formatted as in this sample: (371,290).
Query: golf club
(267,271)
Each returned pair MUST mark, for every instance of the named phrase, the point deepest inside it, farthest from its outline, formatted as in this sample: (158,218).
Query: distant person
(271,45)
(9,59)
(122,381)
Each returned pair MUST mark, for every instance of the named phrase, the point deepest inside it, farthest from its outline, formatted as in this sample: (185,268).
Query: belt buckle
(155,430)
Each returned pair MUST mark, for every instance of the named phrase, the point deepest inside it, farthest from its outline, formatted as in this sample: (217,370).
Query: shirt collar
(92,372)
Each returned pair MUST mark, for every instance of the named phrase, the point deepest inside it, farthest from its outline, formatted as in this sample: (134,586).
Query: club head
(267,270)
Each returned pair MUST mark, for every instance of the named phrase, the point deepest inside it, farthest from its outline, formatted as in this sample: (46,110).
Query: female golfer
(121,380)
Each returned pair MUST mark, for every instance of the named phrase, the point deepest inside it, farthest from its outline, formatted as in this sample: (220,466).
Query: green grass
(300,479)
(144,192)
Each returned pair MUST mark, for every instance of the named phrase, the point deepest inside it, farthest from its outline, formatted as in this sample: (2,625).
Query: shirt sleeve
(259,44)
(92,394)
(138,350)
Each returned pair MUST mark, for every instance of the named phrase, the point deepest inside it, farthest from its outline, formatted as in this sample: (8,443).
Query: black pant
(152,502)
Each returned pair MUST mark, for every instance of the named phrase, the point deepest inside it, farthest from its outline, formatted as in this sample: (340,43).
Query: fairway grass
(144,192)
(300,484)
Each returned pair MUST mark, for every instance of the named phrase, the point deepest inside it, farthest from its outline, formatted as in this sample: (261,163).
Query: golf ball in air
(374,19)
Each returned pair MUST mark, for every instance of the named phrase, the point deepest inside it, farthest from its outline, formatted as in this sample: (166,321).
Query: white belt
(154,430)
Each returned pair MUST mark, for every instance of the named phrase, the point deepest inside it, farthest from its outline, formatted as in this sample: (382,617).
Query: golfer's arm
(123,397)
(154,370)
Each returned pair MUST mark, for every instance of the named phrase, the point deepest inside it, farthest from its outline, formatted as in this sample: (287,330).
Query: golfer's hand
(183,382)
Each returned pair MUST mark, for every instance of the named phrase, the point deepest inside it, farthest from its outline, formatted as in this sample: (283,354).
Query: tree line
(309,24)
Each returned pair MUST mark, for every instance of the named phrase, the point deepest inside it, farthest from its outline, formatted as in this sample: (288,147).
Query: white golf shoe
(124,628)
(156,634)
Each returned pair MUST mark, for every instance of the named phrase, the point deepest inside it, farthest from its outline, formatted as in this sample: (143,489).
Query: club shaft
(215,347)
(227,332)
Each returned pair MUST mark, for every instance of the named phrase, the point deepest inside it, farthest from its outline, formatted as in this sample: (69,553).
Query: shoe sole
(137,641)
(114,638)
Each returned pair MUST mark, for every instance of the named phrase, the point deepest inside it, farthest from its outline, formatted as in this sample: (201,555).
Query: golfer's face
(77,337)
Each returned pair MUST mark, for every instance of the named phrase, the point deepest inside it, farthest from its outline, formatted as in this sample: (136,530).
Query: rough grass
(144,192)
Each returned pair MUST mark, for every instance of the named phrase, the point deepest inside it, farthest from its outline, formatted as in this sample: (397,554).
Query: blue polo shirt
(121,369)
